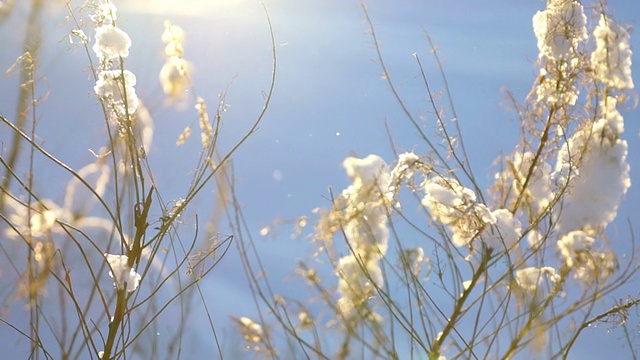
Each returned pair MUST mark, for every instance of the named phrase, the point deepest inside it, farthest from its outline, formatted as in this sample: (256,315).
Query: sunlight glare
(181,8)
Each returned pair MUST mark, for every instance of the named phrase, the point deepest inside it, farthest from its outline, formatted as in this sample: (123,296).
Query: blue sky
(330,101)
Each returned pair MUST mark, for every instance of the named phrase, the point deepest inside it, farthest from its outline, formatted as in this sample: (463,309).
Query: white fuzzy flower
(124,276)
(111,42)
